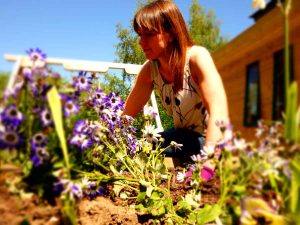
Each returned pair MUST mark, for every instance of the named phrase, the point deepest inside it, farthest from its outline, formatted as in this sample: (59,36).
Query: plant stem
(286,56)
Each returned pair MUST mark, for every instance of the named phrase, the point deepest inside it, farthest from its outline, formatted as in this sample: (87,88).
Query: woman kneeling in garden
(184,76)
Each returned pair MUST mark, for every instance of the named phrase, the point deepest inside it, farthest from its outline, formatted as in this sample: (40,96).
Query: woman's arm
(204,72)
(140,92)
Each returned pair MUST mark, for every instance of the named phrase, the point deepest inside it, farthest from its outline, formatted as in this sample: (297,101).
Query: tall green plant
(292,131)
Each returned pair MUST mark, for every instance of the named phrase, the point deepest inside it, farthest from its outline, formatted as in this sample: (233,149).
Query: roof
(260,13)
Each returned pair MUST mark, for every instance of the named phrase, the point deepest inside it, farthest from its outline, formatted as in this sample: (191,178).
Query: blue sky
(86,29)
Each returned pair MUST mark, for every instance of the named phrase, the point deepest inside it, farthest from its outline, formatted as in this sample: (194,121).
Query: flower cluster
(202,169)
(11,119)
(110,126)
(26,116)
(255,173)
(39,153)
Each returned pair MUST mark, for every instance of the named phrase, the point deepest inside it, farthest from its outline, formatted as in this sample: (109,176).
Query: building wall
(257,43)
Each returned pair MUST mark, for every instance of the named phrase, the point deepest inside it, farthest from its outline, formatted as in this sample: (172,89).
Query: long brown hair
(164,15)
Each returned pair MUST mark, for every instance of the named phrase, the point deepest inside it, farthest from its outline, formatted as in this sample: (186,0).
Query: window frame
(276,79)
(257,115)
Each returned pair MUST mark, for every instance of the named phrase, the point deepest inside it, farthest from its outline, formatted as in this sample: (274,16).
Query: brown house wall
(257,43)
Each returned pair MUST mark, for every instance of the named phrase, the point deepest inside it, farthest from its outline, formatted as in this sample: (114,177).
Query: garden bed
(17,206)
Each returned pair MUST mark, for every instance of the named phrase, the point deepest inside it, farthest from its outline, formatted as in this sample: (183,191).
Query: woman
(184,75)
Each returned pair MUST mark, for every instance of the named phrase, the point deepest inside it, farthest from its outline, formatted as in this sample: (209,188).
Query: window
(278,85)
(252,96)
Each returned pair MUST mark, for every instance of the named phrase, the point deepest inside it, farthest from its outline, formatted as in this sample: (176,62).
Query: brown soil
(100,211)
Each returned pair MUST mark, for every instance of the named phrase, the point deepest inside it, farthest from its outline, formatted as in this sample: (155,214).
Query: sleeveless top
(186,107)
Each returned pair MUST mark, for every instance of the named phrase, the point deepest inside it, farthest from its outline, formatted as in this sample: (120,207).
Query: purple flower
(149,112)
(82,141)
(11,116)
(70,107)
(10,139)
(131,143)
(207,173)
(189,175)
(37,57)
(82,82)
(113,120)
(91,189)
(67,187)
(46,117)
(102,111)
(115,102)
(39,155)
(27,74)
(81,126)
(38,140)
(99,97)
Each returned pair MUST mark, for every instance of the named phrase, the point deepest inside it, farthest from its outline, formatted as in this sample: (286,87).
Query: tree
(203,27)
(113,83)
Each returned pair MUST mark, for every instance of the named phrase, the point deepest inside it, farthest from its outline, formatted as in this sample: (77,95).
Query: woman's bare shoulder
(201,62)
(199,52)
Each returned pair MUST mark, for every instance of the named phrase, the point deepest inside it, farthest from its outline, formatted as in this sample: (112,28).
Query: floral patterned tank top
(186,107)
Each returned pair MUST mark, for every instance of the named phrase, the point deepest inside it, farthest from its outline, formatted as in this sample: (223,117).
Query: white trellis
(80,65)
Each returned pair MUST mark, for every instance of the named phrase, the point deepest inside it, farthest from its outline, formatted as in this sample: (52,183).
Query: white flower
(197,158)
(228,134)
(197,197)
(74,191)
(149,112)
(259,4)
(151,133)
(176,145)
(180,176)
(240,143)
(207,151)
(84,182)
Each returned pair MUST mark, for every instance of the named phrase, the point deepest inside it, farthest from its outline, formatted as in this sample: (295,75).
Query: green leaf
(118,186)
(158,211)
(149,187)
(149,191)
(239,189)
(298,125)
(160,167)
(120,155)
(56,111)
(190,200)
(183,206)
(141,208)
(291,130)
(113,169)
(295,185)
(156,195)
(141,196)
(208,214)
(141,160)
